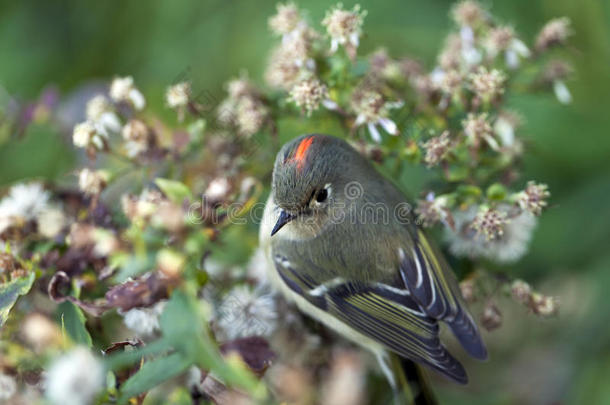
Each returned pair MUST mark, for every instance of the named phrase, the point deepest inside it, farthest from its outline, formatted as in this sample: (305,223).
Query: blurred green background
(71,45)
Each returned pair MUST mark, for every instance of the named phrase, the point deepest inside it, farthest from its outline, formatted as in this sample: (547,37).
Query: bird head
(307,176)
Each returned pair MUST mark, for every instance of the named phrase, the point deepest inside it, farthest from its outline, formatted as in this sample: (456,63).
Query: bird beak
(284,218)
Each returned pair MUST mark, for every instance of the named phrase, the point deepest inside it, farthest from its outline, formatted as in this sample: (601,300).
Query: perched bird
(345,248)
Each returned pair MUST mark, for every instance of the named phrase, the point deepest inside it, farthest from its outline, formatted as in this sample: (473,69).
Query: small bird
(345,248)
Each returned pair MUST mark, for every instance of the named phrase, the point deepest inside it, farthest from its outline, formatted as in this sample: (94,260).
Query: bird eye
(322,195)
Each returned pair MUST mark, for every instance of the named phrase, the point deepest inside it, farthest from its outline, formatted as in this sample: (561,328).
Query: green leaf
(182,323)
(174,190)
(73,321)
(457,173)
(9,292)
(152,374)
(496,192)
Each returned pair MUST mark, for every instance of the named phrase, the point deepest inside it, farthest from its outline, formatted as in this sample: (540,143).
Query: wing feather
(432,284)
(384,313)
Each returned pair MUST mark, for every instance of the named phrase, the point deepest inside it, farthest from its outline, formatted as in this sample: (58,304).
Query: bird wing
(433,286)
(385,313)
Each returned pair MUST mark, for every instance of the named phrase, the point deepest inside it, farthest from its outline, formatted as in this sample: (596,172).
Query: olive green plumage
(345,247)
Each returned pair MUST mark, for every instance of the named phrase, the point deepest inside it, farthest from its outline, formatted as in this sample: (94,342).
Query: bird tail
(412,385)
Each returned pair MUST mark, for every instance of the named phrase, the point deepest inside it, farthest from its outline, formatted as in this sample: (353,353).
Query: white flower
(144,321)
(74,378)
(373,110)
(102,115)
(178,95)
(508,247)
(123,89)
(50,222)
(247,312)
(24,201)
(8,387)
(343,26)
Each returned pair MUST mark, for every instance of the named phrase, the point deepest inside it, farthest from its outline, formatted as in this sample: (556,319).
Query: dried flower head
(101,113)
(344,27)
(487,85)
(86,135)
(178,95)
(467,13)
(544,305)
(286,20)
(282,71)
(467,288)
(533,198)
(555,32)
(437,149)
(308,94)
(431,210)
(123,90)
(137,137)
(92,182)
(490,223)
(463,240)
(240,88)
(503,39)
(521,292)
(141,208)
(251,116)
(477,128)
(491,318)
(499,39)
(298,45)
(451,83)
(451,55)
